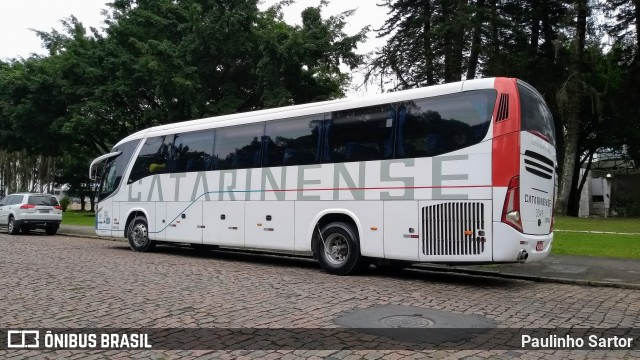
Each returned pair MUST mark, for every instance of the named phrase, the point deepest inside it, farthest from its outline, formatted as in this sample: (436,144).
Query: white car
(28,211)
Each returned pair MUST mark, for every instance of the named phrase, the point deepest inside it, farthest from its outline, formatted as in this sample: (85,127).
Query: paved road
(71,282)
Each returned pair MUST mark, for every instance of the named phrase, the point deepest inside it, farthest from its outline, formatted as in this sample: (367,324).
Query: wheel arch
(328,216)
(133,213)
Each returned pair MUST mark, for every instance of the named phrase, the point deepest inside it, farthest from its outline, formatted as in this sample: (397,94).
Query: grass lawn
(70,217)
(622,225)
(605,245)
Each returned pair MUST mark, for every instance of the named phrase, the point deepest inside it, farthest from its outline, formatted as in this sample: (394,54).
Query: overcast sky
(18,16)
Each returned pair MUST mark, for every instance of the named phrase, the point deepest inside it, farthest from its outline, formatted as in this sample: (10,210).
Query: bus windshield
(114,169)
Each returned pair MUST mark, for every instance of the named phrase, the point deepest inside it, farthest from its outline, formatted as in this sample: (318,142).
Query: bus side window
(192,151)
(292,141)
(442,124)
(238,147)
(154,158)
(361,134)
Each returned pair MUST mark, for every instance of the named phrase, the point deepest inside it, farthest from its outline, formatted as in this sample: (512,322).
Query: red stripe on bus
(383,188)
(506,135)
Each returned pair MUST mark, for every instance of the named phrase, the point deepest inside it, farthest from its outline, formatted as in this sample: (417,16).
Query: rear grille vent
(503,108)
(538,164)
(455,228)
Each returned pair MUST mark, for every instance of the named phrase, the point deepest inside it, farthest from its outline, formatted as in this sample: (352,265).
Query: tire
(138,235)
(337,249)
(51,230)
(12,229)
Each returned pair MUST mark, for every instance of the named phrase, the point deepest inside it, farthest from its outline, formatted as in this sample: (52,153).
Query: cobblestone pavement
(66,282)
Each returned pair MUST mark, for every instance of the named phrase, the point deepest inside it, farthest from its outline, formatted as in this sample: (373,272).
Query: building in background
(611,188)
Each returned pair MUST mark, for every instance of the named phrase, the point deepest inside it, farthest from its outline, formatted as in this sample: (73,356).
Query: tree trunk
(570,148)
(573,94)
(476,41)
(454,40)
(426,42)
(636,5)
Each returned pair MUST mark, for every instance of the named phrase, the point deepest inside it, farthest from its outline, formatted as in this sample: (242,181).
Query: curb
(424,266)
(536,278)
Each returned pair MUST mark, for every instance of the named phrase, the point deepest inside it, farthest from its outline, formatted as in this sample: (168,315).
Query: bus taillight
(511,208)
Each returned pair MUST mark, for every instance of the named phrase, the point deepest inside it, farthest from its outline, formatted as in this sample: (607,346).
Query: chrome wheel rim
(139,235)
(10,227)
(336,249)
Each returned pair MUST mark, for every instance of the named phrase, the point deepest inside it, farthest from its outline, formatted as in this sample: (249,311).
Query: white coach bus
(455,173)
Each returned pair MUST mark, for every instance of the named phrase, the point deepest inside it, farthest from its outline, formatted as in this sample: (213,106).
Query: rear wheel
(51,230)
(338,250)
(12,229)
(138,235)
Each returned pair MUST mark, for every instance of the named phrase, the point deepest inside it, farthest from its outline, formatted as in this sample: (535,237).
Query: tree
(570,97)
(626,51)
(159,62)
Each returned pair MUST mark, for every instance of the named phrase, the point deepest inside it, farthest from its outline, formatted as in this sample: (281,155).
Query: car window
(5,201)
(17,199)
(43,200)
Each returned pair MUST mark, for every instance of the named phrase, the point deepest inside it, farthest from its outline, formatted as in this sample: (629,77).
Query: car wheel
(12,229)
(51,230)
(338,249)
(138,235)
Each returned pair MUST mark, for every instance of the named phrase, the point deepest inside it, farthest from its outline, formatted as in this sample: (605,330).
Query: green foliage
(64,203)
(160,62)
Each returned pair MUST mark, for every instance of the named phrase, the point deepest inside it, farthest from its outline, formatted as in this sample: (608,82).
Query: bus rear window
(535,115)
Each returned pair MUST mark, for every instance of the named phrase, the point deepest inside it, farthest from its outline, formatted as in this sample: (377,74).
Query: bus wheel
(138,235)
(338,250)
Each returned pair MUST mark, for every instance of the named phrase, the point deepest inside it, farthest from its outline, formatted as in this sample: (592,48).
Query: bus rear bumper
(510,245)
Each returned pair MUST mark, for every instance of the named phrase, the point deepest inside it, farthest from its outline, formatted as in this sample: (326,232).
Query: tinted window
(43,200)
(238,147)
(6,200)
(360,134)
(17,199)
(192,151)
(535,114)
(115,167)
(292,142)
(433,126)
(154,158)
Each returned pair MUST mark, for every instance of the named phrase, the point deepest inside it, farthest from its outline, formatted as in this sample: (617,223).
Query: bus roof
(309,109)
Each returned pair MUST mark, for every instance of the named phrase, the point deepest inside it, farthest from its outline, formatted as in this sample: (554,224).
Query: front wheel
(138,235)
(338,250)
